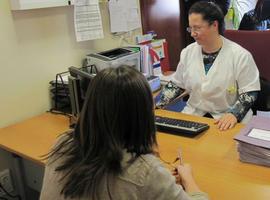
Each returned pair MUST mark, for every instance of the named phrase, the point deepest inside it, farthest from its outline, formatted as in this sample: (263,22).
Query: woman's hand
(184,177)
(227,121)
(176,175)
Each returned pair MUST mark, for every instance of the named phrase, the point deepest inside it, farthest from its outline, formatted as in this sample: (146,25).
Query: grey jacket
(145,178)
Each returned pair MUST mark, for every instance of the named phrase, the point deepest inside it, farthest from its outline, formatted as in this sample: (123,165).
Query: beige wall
(34,46)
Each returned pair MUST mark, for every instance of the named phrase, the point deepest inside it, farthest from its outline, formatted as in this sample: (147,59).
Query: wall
(35,45)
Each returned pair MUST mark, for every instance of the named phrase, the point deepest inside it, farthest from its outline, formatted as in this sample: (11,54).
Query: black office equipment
(60,94)
(180,127)
(78,83)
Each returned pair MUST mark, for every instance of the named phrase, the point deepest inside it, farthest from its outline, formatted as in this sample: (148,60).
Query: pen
(176,159)
(179,155)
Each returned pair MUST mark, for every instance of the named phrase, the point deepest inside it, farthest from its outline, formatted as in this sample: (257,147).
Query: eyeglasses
(197,29)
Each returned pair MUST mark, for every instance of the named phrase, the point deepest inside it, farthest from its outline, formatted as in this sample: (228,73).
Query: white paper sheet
(263,113)
(124,15)
(87,20)
(260,134)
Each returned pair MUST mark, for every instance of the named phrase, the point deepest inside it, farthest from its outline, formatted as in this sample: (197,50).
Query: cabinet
(32,4)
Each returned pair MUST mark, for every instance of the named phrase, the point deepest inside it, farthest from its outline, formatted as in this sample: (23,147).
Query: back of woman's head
(117,115)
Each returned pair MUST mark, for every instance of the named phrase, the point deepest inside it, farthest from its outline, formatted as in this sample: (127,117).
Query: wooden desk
(215,162)
(33,138)
(213,154)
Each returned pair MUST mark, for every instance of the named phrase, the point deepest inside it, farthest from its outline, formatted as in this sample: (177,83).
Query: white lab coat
(232,73)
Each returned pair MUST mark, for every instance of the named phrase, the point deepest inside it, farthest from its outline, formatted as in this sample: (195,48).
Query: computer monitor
(78,82)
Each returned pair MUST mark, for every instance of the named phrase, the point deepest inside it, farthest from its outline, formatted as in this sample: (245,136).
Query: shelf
(34,4)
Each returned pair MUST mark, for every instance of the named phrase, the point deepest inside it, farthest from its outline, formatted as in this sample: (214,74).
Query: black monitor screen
(79,82)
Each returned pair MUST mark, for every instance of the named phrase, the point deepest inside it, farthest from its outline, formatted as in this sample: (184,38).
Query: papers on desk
(87,20)
(260,134)
(254,141)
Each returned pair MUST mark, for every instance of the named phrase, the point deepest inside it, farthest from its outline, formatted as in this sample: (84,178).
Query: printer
(115,58)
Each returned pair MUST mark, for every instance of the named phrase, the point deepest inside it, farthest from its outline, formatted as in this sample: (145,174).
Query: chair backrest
(265,14)
(258,43)
(263,101)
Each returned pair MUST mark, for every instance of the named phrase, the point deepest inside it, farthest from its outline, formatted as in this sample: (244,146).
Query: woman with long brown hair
(111,152)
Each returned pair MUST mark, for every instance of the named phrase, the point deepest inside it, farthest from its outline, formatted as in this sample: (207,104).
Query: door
(163,17)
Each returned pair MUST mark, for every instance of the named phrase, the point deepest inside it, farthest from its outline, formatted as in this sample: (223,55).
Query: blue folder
(176,106)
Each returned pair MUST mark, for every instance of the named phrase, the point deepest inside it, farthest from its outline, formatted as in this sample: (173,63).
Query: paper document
(263,113)
(87,20)
(254,141)
(256,132)
(124,15)
(260,134)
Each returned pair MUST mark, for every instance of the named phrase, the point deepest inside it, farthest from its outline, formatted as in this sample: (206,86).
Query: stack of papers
(254,142)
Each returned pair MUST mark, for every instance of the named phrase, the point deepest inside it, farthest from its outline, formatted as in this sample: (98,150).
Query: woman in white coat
(220,76)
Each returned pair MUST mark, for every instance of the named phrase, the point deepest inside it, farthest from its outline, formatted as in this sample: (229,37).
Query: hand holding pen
(183,174)
(175,172)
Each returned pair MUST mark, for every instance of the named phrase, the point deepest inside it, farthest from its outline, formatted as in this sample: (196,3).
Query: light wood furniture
(214,159)
(212,154)
(34,137)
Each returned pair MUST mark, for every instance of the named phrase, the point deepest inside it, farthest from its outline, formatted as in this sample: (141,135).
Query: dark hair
(262,10)
(258,7)
(224,5)
(210,12)
(117,115)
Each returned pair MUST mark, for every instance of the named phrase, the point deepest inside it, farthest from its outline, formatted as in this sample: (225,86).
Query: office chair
(258,43)
(265,8)
(263,101)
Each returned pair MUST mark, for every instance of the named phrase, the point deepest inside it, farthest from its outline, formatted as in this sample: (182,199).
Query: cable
(7,193)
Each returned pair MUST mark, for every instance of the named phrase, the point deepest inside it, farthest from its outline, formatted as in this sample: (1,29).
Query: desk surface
(34,137)
(213,154)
